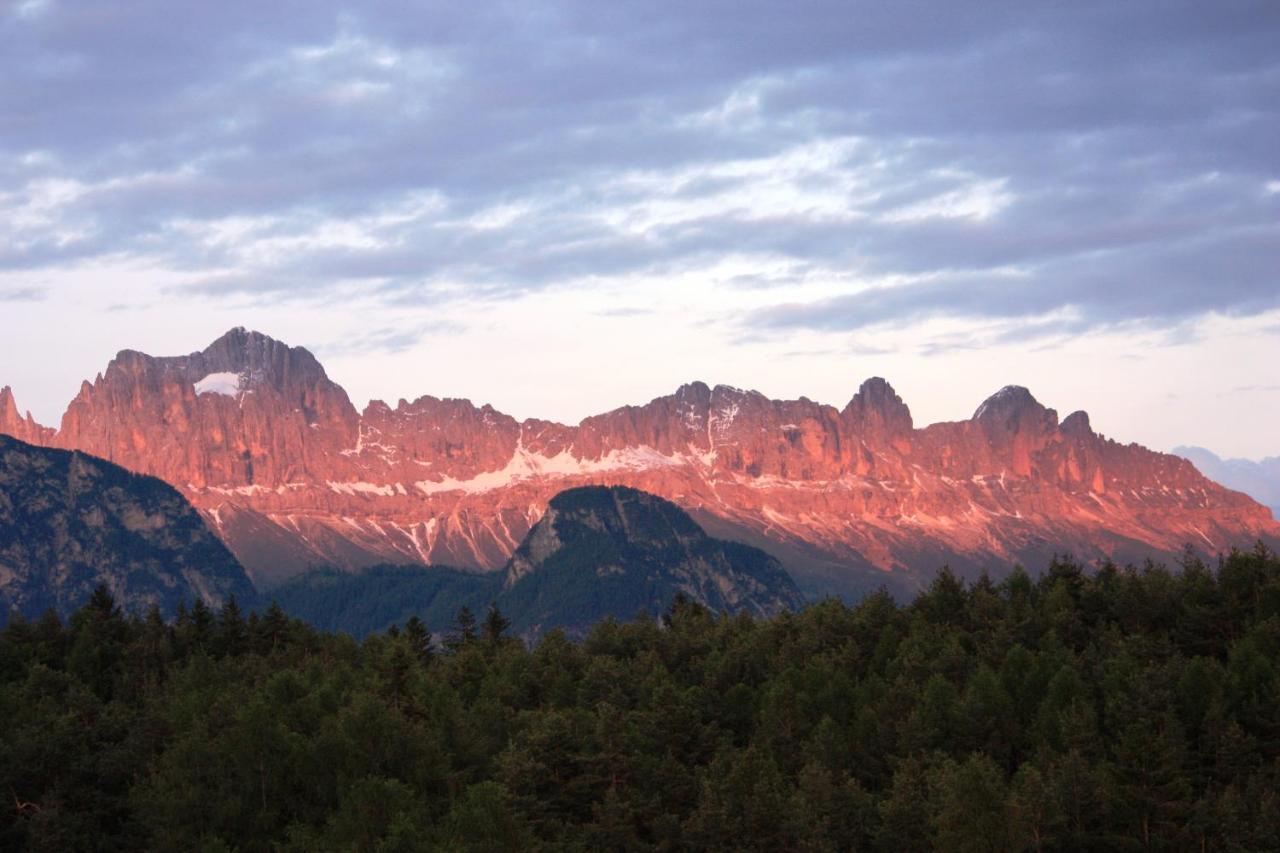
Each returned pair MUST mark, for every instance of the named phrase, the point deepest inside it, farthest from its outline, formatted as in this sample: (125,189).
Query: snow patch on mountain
(226,384)
(365,488)
(530,465)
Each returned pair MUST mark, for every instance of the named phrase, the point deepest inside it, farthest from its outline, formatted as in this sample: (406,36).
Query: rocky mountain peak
(380,409)
(251,355)
(692,401)
(1077,424)
(246,411)
(696,390)
(8,408)
(254,354)
(13,423)
(1013,408)
(1016,427)
(126,362)
(878,408)
(242,340)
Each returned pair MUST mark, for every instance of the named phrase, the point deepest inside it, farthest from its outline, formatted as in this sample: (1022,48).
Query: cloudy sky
(561,207)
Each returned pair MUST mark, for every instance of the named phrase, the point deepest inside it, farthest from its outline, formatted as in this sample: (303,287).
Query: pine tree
(905,811)
(1033,813)
(464,633)
(419,639)
(495,625)
(203,625)
(684,609)
(99,634)
(102,604)
(232,634)
(483,819)
(971,813)
(156,645)
(742,805)
(272,630)
(1152,781)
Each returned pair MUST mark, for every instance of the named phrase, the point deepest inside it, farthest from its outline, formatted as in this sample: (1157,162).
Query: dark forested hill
(1127,709)
(597,552)
(69,522)
(614,551)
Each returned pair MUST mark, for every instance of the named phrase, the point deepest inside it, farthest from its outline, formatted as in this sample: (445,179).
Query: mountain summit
(291,476)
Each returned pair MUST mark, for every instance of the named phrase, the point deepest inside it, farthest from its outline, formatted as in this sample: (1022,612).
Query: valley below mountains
(293,477)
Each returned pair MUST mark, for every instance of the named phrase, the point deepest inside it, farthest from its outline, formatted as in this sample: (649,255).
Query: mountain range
(1260,479)
(70,522)
(292,476)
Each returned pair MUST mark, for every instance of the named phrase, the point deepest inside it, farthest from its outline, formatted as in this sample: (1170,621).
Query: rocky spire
(1013,408)
(877,410)
(1017,427)
(1077,424)
(8,410)
(22,428)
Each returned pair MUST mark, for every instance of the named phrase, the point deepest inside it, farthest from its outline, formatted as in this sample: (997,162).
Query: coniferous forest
(1083,709)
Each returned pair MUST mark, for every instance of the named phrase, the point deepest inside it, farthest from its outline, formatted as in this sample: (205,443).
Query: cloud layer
(1113,160)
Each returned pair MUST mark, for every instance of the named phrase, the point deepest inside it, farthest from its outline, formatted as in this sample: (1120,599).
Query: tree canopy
(1083,709)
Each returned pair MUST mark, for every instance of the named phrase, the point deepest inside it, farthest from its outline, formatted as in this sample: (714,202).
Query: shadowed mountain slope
(69,522)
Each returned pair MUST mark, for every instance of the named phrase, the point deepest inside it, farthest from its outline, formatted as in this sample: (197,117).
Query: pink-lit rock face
(246,411)
(291,475)
(20,427)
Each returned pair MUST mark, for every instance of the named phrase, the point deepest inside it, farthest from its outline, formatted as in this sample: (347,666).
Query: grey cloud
(22,294)
(388,339)
(1163,283)
(1100,122)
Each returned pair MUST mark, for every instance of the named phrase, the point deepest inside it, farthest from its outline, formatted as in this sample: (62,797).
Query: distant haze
(561,207)
(1259,480)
